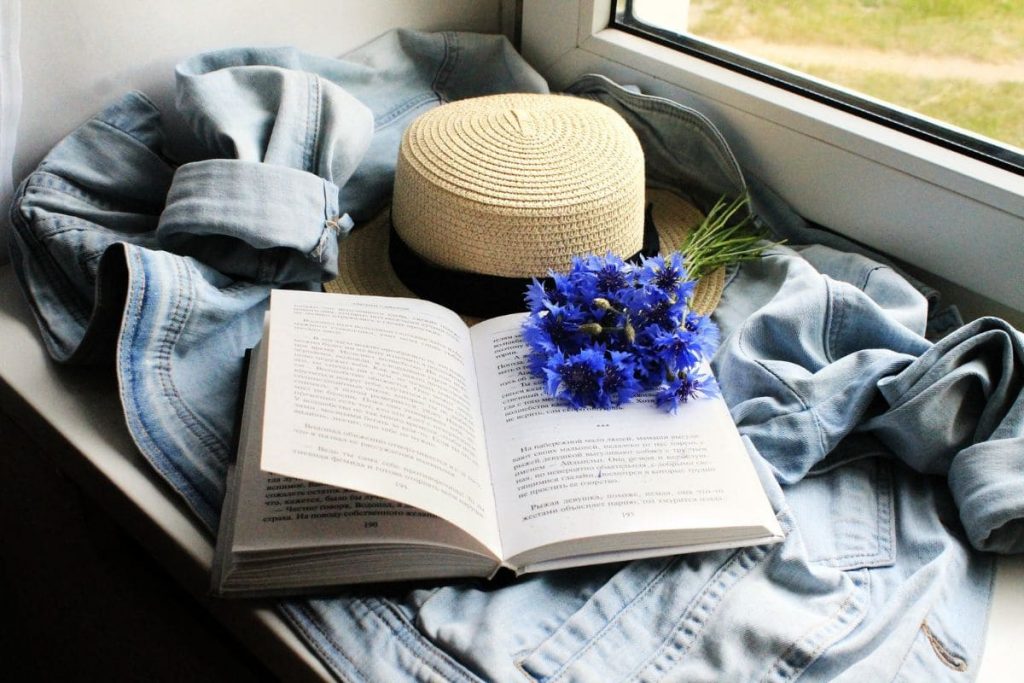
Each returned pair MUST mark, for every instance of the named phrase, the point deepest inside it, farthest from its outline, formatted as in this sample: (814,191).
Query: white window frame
(946,214)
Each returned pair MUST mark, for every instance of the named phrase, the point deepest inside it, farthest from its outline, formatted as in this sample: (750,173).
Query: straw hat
(492,191)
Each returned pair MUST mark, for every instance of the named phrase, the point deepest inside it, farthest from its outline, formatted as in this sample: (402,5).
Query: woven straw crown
(515,185)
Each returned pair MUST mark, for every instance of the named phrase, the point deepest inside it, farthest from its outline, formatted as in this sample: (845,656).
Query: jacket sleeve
(284,137)
(819,361)
(958,410)
(304,145)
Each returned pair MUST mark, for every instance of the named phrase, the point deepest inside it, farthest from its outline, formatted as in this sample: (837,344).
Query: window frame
(947,214)
(907,121)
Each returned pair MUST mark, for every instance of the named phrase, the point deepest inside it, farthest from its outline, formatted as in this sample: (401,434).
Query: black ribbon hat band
(478,294)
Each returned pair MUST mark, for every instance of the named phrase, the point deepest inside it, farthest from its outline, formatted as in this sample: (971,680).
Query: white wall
(10,103)
(78,55)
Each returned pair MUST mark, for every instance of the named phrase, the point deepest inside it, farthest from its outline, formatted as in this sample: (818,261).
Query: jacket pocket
(845,514)
(749,614)
(646,609)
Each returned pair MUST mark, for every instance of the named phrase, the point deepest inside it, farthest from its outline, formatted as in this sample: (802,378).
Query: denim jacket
(891,462)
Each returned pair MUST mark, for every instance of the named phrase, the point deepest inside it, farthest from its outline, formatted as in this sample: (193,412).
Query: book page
(562,474)
(277,512)
(378,395)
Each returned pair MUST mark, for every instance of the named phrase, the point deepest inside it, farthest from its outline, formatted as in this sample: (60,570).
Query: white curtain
(10,108)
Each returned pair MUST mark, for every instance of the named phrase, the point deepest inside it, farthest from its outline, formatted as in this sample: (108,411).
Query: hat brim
(364,266)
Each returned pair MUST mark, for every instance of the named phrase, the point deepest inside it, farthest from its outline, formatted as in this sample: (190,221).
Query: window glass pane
(957,61)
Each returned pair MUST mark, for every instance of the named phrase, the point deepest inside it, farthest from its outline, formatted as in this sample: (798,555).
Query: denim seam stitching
(62,223)
(396,113)
(318,148)
(888,496)
(190,421)
(797,659)
(48,180)
(884,530)
(867,276)
(698,126)
(447,66)
(122,131)
(835,319)
(179,316)
(693,120)
(69,296)
(310,619)
(881,483)
(313,150)
(695,617)
(162,355)
(649,586)
(160,459)
(758,553)
(881,514)
(805,407)
(308,139)
(413,641)
(757,361)
(56,349)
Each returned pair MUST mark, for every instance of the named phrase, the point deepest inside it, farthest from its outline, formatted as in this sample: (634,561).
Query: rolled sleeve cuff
(989,491)
(255,221)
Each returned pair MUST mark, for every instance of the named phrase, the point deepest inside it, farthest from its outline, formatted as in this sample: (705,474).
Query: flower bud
(602,303)
(630,333)
(593,329)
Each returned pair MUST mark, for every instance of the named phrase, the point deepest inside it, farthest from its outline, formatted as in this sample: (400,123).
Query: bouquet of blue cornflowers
(608,330)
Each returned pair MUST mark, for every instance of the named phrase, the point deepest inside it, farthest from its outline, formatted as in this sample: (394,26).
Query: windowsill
(77,413)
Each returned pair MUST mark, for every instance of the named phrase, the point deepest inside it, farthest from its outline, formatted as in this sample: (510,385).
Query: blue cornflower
(536,296)
(684,290)
(550,370)
(662,309)
(606,330)
(536,361)
(664,273)
(578,379)
(683,387)
(620,377)
(648,365)
(555,327)
(705,335)
(667,274)
(563,289)
(606,276)
(676,349)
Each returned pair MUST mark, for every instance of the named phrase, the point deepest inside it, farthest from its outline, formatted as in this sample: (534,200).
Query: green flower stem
(719,240)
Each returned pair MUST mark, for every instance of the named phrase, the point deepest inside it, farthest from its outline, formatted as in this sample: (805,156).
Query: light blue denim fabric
(120,250)
(885,457)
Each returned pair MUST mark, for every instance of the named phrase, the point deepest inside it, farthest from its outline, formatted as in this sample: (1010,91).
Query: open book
(382,439)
